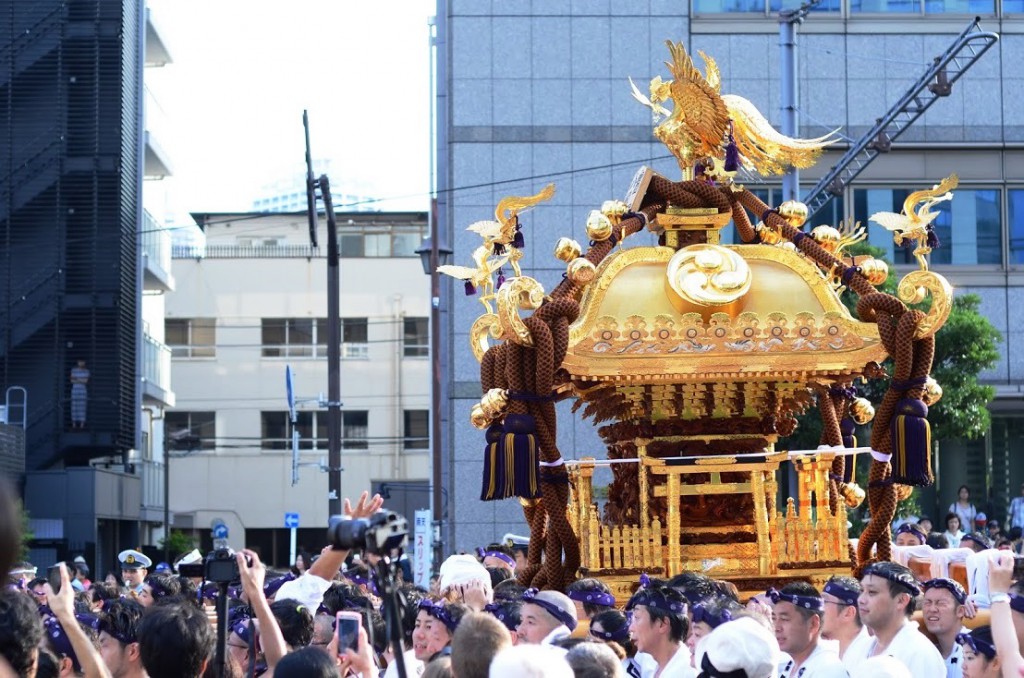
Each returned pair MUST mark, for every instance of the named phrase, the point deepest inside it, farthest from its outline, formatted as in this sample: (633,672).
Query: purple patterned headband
(701,613)
(503,557)
(617,636)
(977,644)
(530,596)
(592,597)
(847,596)
(363,581)
(439,612)
(813,603)
(501,614)
(907,528)
(953,587)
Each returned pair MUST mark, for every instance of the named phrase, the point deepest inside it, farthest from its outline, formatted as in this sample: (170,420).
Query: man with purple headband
(840,620)
(546,616)
(591,596)
(659,627)
(909,534)
(798,612)
(119,638)
(944,612)
(497,555)
(886,604)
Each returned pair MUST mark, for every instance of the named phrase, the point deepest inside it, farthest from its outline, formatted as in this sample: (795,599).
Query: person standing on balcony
(964,508)
(79,394)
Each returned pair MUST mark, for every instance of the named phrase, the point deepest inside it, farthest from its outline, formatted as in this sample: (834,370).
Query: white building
(252,301)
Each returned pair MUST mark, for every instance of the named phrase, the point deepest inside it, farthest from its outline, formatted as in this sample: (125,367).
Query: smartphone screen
(53,575)
(347,627)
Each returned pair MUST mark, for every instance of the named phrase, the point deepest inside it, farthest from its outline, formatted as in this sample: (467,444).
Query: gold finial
(581,271)
(914,223)
(567,249)
(862,411)
(794,212)
(875,270)
(932,392)
(599,226)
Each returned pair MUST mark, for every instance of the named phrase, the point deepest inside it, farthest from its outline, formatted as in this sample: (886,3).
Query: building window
(416,338)
(354,429)
(1015,210)
(969,227)
(307,337)
(191,337)
(276,430)
(416,435)
(758,6)
(189,431)
(380,241)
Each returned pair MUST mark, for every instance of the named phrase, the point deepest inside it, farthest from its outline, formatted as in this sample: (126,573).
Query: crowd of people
(476,620)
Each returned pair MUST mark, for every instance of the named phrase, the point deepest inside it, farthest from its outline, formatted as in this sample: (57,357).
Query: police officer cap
(131,559)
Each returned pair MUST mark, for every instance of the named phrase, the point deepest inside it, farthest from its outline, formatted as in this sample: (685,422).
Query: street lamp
(433,253)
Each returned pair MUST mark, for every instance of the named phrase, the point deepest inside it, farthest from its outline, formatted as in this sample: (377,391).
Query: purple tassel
(732,156)
(520,446)
(501,279)
(496,472)
(847,427)
(911,444)
(499,249)
(470,289)
(933,239)
(519,242)
(645,581)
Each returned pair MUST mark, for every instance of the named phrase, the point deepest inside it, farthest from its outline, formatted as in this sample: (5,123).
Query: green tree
(178,543)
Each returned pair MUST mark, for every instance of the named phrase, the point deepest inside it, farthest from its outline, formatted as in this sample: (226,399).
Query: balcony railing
(156,249)
(156,372)
(152,475)
(246,252)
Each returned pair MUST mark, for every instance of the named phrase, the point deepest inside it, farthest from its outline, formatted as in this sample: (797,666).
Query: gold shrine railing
(807,536)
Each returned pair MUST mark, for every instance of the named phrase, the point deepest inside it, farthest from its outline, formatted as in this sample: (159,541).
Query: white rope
(792,454)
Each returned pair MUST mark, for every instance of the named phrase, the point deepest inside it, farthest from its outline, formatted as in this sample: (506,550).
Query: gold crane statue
(915,223)
(703,120)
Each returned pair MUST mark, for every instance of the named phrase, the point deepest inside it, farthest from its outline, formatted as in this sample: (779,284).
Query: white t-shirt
(911,647)
(820,664)
(955,662)
(857,651)
(677,667)
(413,666)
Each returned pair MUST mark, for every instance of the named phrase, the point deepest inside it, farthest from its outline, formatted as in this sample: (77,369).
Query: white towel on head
(462,569)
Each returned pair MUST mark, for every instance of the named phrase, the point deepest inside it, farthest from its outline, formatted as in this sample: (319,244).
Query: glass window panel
(204,337)
(720,6)
(176,332)
(321,431)
(300,331)
(1015,210)
(825,6)
(830,214)
(351,245)
(353,330)
(273,336)
(961,6)
(885,6)
(1013,6)
(416,341)
(377,244)
(190,430)
(404,243)
(274,430)
(354,426)
(417,435)
(321,331)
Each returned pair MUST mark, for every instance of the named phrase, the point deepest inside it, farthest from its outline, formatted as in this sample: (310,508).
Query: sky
(230,105)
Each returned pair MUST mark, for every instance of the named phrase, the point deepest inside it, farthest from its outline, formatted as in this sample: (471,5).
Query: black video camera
(219,567)
(380,534)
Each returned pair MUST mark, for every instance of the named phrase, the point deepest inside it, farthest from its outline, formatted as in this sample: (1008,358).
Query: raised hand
(1000,572)
(62,604)
(252,576)
(365,507)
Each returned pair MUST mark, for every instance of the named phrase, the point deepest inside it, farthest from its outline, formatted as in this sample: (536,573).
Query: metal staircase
(935,83)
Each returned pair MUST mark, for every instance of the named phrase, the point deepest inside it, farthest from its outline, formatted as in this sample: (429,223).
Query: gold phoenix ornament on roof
(699,123)
(915,223)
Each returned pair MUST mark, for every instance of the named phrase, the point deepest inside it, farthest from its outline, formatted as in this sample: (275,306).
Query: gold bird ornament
(915,222)
(702,120)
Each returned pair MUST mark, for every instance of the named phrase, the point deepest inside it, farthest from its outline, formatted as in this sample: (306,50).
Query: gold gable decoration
(696,358)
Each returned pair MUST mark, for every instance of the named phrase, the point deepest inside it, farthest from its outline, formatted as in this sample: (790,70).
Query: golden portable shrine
(694,358)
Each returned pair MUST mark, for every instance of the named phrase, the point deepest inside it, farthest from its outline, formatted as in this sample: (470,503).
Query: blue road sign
(291,520)
(220,531)
(291,391)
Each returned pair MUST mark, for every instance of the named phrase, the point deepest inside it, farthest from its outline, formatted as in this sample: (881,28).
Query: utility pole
(333,323)
(790,94)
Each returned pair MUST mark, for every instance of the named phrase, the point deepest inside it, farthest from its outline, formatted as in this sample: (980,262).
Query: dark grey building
(532,92)
(71,154)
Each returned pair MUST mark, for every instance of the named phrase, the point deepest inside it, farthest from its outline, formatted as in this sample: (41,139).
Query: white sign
(423,549)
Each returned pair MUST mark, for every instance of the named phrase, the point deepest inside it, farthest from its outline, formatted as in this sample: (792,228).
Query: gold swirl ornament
(708,275)
(484,328)
(915,287)
(518,294)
